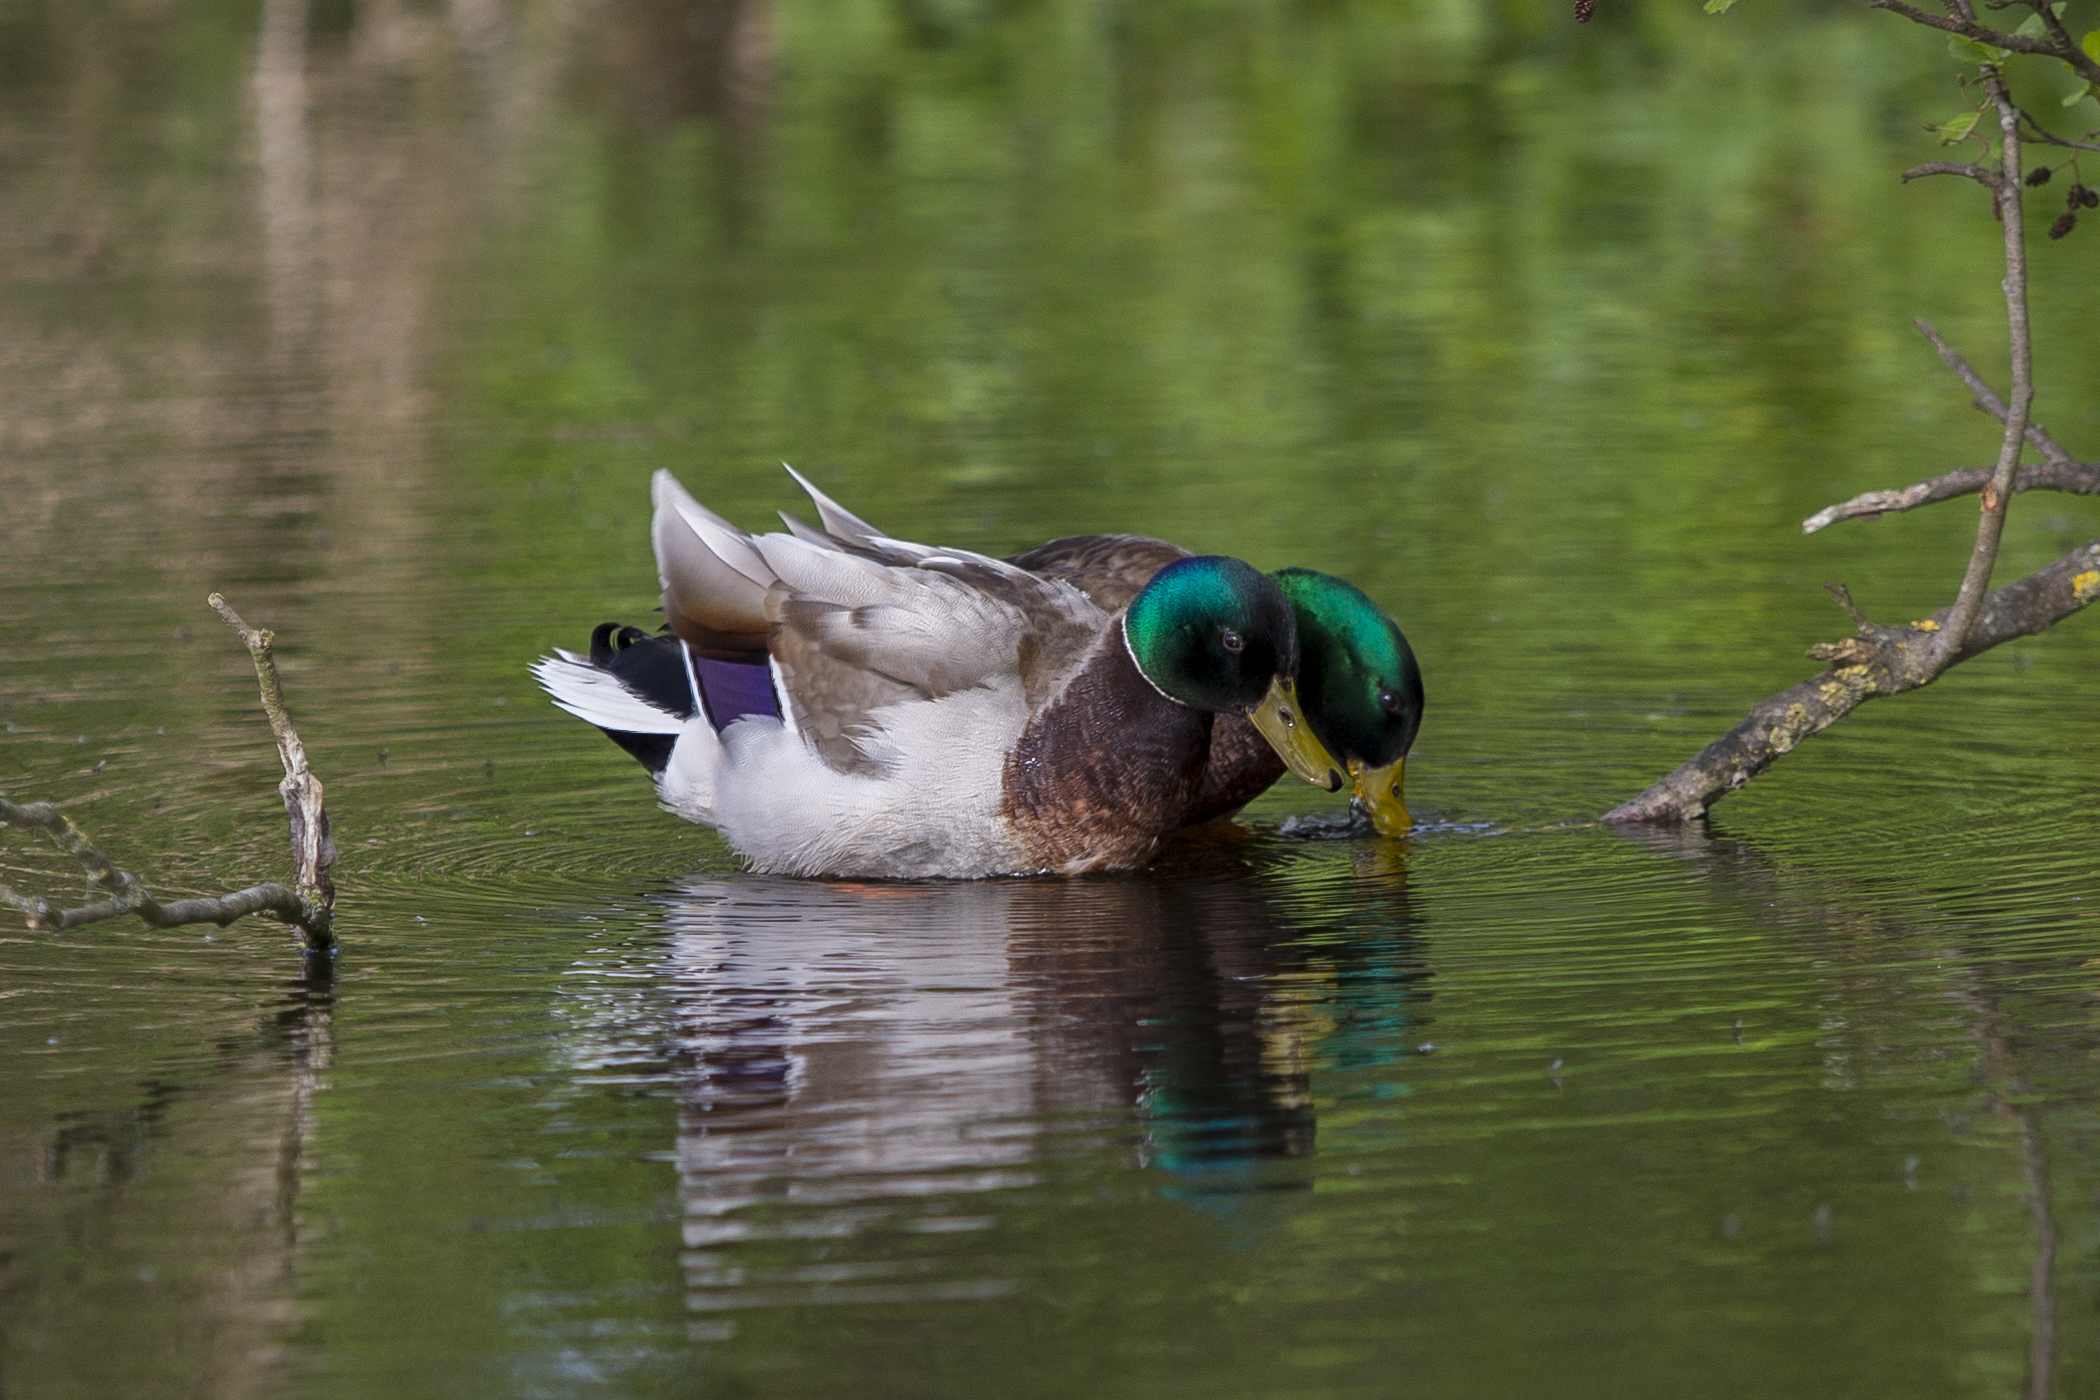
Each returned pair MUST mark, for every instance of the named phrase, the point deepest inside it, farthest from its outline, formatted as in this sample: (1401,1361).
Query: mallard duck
(850,704)
(1359,688)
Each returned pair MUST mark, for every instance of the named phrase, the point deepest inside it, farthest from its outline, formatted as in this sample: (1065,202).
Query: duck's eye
(1389,701)
(1232,641)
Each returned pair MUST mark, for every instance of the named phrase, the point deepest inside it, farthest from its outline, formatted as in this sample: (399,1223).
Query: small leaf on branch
(1718,7)
(1953,131)
(2039,175)
(1969,51)
(2091,43)
(2063,225)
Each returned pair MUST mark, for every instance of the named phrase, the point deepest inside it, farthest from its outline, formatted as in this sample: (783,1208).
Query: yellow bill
(1282,723)
(1381,790)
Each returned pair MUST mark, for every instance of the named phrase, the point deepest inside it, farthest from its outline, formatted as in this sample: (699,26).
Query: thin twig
(2073,478)
(1997,494)
(1973,171)
(1965,25)
(2059,36)
(2061,472)
(1987,399)
(310,907)
(313,850)
(1844,600)
(129,896)
(2051,138)
(1870,504)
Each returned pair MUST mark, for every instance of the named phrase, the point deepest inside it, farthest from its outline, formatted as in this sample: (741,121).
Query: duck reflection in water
(855,1058)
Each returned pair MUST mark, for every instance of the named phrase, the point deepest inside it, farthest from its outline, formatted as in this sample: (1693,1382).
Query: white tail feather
(597,697)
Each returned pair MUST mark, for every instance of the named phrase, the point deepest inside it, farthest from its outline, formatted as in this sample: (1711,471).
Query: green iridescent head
(1361,688)
(1217,634)
(1212,632)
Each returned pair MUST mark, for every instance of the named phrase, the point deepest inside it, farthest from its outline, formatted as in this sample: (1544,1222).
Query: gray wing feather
(855,620)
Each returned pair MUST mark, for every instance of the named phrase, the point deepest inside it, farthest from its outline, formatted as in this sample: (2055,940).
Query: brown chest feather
(1241,768)
(1104,772)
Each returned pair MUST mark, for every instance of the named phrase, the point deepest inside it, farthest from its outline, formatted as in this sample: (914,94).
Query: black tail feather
(653,668)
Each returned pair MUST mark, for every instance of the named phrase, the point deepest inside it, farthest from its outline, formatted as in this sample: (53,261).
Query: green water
(1547,336)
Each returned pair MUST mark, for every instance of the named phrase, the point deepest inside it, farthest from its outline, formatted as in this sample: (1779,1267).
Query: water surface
(377,316)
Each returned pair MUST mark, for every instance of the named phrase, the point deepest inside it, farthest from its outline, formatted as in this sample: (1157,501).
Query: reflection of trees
(669,60)
(231,250)
(214,1153)
(857,1058)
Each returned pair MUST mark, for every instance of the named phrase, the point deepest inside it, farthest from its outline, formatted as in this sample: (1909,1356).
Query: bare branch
(1988,400)
(2060,473)
(1997,493)
(129,896)
(1952,25)
(1844,600)
(1870,504)
(2053,139)
(2073,478)
(2059,37)
(1773,727)
(2062,48)
(1984,176)
(310,908)
(313,849)
(1889,661)
(1905,660)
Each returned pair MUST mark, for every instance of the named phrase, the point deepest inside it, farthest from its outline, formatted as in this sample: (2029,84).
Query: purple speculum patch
(732,689)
